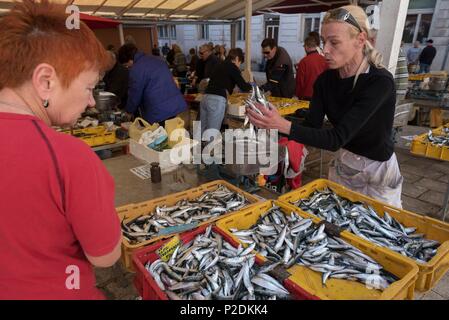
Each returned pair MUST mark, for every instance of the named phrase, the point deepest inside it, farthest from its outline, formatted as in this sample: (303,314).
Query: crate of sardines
(204,264)
(146,222)
(420,239)
(324,261)
(434,144)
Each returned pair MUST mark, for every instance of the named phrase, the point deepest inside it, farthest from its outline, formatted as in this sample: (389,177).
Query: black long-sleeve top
(224,78)
(116,81)
(280,76)
(362,117)
(427,55)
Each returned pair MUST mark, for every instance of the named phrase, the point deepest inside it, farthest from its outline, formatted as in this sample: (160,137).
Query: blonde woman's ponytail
(373,56)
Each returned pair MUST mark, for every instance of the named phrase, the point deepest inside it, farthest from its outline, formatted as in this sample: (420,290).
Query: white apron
(375,179)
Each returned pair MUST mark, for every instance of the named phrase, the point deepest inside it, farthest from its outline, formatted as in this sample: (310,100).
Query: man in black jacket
(426,57)
(279,70)
(116,81)
(205,65)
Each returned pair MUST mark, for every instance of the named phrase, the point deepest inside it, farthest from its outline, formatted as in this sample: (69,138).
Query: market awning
(94,22)
(306,6)
(163,9)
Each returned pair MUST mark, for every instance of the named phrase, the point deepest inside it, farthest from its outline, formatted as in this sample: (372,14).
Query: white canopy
(163,9)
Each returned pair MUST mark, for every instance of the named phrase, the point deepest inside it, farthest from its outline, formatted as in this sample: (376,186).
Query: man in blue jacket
(152,90)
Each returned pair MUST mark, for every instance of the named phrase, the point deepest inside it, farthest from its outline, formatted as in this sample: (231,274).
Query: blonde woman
(357,94)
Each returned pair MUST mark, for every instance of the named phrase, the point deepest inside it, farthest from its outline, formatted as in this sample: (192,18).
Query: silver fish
(365,222)
(200,270)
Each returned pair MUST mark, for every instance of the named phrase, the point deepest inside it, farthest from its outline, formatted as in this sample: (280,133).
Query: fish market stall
(305,278)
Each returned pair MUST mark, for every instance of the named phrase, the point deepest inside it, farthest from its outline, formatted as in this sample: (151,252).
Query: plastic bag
(140,126)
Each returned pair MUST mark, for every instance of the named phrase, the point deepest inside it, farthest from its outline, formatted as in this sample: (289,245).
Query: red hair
(35,32)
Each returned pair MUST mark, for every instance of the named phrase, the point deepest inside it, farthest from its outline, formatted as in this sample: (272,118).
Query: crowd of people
(284,78)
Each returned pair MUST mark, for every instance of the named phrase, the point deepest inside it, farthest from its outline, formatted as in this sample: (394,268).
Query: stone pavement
(425,182)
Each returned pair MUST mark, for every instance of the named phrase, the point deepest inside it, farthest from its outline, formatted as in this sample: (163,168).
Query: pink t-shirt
(56,204)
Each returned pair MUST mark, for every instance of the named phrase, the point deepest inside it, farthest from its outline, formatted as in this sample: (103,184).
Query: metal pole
(234,35)
(249,12)
(122,37)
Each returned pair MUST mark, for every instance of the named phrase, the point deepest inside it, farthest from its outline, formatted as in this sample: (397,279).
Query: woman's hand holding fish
(270,119)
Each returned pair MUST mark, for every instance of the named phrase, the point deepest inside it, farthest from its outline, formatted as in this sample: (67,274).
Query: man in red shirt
(309,68)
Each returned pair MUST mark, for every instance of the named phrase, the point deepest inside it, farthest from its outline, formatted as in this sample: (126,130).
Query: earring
(46,103)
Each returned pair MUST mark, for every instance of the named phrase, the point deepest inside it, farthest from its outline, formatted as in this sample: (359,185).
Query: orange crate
(148,288)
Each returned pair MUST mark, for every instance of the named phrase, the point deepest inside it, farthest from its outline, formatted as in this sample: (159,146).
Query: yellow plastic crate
(421,146)
(418,77)
(429,273)
(131,211)
(93,136)
(285,106)
(335,289)
(88,130)
(284,111)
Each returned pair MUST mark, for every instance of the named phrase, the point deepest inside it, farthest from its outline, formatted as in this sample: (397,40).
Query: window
(203,32)
(311,23)
(422,4)
(417,26)
(166,32)
(241,30)
(272,27)
(173,32)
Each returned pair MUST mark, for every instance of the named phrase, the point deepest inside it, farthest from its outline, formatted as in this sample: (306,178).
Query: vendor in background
(152,91)
(207,64)
(180,64)
(53,187)
(279,70)
(224,78)
(357,95)
(116,80)
(309,68)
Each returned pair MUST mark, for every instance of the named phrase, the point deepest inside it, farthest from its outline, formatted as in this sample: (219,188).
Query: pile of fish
(209,268)
(439,140)
(209,205)
(291,239)
(363,221)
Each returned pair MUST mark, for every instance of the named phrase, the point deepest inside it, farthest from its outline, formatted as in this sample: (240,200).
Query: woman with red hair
(58,217)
